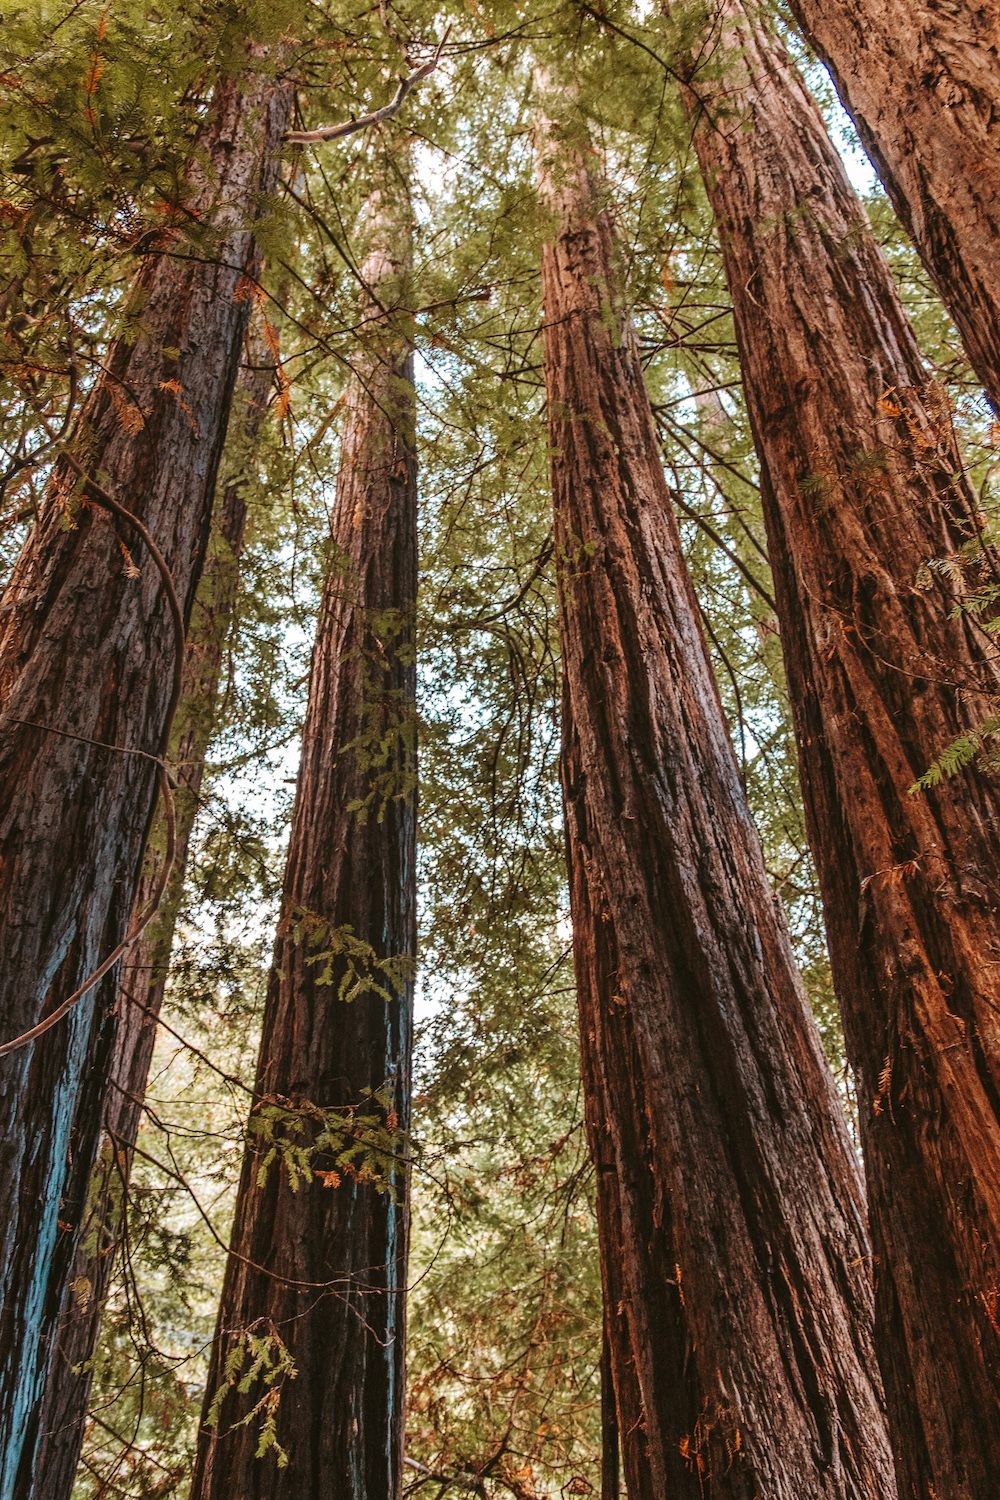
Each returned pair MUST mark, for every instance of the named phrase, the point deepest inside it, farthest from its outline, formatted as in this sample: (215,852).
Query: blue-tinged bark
(89,651)
(85,1284)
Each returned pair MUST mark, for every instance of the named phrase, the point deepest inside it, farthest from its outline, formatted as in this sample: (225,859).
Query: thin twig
(742,768)
(93,1417)
(97,744)
(178,1177)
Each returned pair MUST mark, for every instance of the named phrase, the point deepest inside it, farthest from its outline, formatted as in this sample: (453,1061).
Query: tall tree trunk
(731,1215)
(861,487)
(920,80)
(323,1267)
(144,972)
(87,650)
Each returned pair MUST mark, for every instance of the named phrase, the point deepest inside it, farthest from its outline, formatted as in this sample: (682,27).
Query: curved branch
(336,132)
(479,621)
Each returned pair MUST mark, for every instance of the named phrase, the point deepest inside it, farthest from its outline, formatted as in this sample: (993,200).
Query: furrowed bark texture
(731,1215)
(921,82)
(857,461)
(324,1267)
(87,650)
(144,973)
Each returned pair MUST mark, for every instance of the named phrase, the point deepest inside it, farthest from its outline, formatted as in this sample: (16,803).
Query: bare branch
(482,620)
(710,531)
(336,132)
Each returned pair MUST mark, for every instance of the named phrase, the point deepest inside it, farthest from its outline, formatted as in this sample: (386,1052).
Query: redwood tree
(317,1267)
(862,488)
(920,82)
(731,1216)
(144,971)
(87,656)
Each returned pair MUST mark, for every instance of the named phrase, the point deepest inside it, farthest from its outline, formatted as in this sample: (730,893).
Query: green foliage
(385,747)
(357,960)
(268,1360)
(358,1146)
(960,753)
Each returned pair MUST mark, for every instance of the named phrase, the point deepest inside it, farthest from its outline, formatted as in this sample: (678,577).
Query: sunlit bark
(861,489)
(921,80)
(733,1245)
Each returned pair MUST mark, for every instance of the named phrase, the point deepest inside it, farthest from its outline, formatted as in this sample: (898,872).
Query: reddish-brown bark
(858,466)
(921,80)
(731,1217)
(144,972)
(89,651)
(325,1266)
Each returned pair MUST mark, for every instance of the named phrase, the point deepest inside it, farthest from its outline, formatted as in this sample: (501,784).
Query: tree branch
(336,132)
(479,621)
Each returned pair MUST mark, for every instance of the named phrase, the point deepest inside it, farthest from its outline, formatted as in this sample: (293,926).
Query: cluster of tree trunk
(738,1282)
(731,1218)
(863,483)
